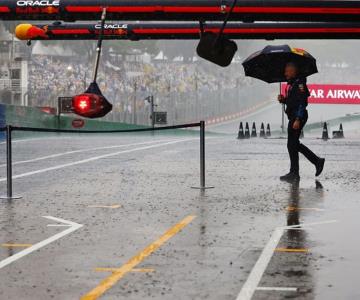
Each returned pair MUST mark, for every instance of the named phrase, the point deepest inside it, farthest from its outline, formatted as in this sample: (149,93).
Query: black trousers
(294,146)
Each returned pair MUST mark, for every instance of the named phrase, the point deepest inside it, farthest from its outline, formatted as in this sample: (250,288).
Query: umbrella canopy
(269,64)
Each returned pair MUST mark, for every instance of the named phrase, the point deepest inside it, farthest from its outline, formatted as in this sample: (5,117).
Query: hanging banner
(332,93)
(177,10)
(188,30)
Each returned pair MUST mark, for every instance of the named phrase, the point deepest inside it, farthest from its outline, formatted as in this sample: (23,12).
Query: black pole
(58,113)
(152,111)
(202,186)
(9,192)
(99,45)
(202,154)
(8,161)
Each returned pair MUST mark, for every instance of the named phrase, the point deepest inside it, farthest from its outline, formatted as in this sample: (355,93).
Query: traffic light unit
(91,104)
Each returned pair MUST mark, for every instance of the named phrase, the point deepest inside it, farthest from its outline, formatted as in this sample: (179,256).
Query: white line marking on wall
(72,227)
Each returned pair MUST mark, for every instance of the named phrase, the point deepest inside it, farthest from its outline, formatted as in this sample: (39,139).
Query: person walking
(296,101)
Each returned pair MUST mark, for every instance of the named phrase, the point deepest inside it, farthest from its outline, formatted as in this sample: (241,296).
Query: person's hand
(281,98)
(296,125)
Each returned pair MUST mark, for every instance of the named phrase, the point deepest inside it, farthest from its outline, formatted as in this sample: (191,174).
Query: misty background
(185,86)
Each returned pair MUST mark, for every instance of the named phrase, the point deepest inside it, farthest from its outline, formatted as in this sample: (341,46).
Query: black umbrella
(269,64)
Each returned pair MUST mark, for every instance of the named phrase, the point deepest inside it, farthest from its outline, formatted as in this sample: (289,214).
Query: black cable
(99,44)
(226,20)
(19,128)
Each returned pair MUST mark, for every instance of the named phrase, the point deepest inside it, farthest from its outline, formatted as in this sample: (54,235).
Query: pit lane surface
(146,234)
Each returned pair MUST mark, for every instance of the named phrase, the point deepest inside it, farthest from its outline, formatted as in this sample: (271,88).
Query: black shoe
(319,166)
(290,177)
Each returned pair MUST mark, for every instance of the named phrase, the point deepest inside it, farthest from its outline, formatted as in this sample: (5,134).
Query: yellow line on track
(302,250)
(16,245)
(108,282)
(105,206)
(143,270)
(116,269)
(293,208)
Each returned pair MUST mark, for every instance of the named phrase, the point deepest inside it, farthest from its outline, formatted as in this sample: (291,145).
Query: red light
(82,103)
(90,105)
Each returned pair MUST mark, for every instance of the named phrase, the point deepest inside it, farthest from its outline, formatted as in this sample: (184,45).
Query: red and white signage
(332,93)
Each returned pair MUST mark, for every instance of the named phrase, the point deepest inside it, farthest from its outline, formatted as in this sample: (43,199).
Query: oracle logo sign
(332,93)
(78,123)
(41,3)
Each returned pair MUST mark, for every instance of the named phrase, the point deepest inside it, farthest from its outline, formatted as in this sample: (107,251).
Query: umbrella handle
(282,113)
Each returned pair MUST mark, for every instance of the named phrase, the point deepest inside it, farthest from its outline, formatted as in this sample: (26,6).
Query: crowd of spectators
(51,77)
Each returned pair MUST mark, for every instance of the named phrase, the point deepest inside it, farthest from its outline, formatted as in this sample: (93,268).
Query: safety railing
(9,129)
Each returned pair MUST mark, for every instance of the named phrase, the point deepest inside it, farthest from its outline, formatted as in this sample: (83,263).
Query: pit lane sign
(160,117)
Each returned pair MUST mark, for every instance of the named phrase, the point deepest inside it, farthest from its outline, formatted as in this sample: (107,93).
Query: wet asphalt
(154,237)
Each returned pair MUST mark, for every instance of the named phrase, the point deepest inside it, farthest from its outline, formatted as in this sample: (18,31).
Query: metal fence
(192,106)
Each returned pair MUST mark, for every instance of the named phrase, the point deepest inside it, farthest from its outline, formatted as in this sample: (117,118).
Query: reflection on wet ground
(151,235)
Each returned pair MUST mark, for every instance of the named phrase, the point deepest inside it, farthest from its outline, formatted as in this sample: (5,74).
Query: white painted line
(253,280)
(81,151)
(258,270)
(94,158)
(277,289)
(73,226)
(36,139)
(309,224)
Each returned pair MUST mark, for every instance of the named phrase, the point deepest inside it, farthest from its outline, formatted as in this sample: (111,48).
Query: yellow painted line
(105,206)
(116,269)
(143,270)
(108,282)
(293,208)
(302,250)
(16,245)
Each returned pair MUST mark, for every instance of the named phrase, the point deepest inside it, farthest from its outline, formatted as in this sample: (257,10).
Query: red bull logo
(29,32)
(299,51)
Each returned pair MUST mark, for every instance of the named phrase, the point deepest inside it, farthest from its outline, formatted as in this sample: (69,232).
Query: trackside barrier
(9,129)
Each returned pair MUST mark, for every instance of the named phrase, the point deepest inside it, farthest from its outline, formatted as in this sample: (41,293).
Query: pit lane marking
(253,280)
(35,139)
(294,250)
(277,289)
(72,226)
(112,270)
(82,151)
(105,206)
(110,281)
(294,208)
(9,245)
(94,158)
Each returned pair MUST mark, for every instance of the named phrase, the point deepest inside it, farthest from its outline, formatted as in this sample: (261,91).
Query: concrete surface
(251,237)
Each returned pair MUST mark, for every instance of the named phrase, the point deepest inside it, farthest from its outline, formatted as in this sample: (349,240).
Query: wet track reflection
(128,200)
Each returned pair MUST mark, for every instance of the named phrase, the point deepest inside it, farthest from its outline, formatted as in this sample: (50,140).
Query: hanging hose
(226,20)
(99,44)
